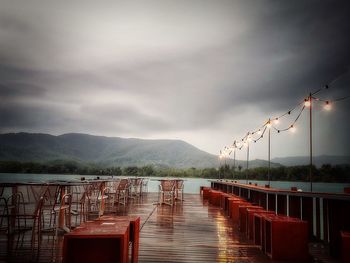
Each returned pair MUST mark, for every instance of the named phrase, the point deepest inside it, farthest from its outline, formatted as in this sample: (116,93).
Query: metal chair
(167,192)
(136,187)
(79,204)
(179,190)
(5,220)
(28,216)
(95,195)
(122,192)
(145,185)
(111,193)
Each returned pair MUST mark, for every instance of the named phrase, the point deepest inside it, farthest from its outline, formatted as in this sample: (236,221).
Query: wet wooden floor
(191,231)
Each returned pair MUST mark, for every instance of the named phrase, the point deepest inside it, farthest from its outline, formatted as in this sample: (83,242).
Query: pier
(193,230)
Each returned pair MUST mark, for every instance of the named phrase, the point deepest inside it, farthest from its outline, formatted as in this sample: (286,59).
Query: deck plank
(192,231)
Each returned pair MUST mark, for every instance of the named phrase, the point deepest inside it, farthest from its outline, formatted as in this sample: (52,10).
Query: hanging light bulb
(249,138)
(292,128)
(245,144)
(268,124)
(327,106)
(307,103)
(259,132)
(276,121)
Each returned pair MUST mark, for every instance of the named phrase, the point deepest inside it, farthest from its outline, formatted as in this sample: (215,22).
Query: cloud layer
(202,71)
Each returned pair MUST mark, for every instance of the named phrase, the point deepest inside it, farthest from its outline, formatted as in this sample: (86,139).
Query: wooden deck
(191,231)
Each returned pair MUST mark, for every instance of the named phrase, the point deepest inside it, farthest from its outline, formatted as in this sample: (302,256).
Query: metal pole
(310,171)
(219,167)
(225,168)
(246,175)
(269,153)
(234,163)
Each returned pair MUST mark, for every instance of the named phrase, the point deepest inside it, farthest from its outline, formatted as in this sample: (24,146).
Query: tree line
(326,173)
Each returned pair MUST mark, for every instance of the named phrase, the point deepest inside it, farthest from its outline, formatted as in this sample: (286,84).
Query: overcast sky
(205,72)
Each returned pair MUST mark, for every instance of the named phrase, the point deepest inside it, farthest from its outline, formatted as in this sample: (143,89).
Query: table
(286,238)
(345,246)
(97,241)
(134,233)
(243,216)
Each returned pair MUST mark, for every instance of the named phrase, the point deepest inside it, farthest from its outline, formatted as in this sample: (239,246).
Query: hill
(318,161)
(116,151)
(106,151)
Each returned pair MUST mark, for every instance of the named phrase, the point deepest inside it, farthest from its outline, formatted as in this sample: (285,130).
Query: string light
(327,106)
(307,103)
(244,142)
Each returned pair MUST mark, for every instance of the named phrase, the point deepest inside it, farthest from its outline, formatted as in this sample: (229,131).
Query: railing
(327,214)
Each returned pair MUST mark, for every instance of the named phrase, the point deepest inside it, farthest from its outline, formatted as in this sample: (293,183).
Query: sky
(206,72)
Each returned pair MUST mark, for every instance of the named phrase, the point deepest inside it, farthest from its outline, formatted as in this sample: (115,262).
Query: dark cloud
(193,70)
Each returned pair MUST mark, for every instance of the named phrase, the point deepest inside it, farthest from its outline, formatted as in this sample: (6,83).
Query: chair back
(51,196)
(112,186)
(167,185)
(4,212)
(31,193)
(179,184)
(123,185)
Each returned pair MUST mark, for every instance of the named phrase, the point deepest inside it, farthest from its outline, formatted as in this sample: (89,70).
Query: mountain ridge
(118,151)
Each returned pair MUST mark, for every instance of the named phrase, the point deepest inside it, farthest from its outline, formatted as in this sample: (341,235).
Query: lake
(191,184)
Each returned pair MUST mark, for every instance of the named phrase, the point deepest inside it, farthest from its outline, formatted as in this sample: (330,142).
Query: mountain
(115,151)
(103,150)
(318,161)
(107,151)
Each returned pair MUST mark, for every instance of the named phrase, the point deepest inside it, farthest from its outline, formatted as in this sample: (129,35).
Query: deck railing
(327,214)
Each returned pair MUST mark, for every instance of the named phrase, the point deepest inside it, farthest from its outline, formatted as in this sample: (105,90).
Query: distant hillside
(317,160)
(102,150)
(115,151)
(252,164)
(108,151)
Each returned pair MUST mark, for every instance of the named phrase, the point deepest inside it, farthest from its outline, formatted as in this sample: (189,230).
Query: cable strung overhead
(272,122)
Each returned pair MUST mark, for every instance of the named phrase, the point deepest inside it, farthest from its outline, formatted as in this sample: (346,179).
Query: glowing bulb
(292,129)
(307,103)
(245,144)
(249,139)
(268,125)
(259,132)
(327,106)
(276,121)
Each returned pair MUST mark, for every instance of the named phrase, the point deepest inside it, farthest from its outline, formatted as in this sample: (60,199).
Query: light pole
(220,157)
(246,175)
(224,167)
(310,169)
(234,160)
(269,151)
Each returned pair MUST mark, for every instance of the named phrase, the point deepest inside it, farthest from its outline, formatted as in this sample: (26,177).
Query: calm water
(191,184)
